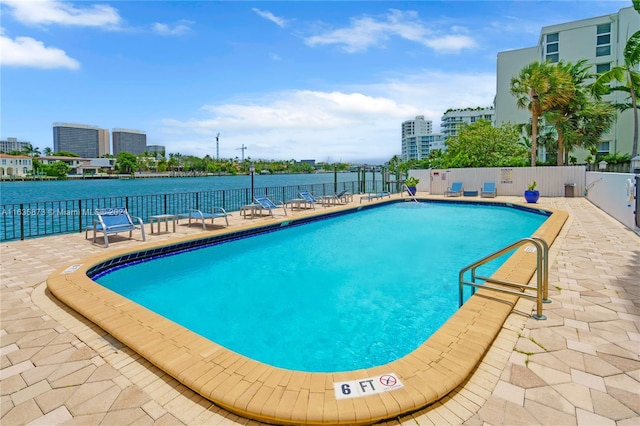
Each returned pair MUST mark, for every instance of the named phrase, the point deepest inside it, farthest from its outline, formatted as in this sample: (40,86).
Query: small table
(250,209)
(470,193)
(163,218)
(300,203)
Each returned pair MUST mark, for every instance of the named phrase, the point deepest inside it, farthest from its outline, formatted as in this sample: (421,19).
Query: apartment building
(80,139)
(601,41)
(132,141)
(157,150)
(418,139)
(12,144)
(452,119)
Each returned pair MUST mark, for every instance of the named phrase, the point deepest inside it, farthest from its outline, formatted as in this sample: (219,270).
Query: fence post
(21,221)
(79,215)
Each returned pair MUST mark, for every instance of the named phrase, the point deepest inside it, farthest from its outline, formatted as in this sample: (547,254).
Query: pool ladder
(541,288)
(404,185)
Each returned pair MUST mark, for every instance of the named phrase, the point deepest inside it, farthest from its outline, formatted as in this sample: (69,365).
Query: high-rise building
(418,139)
(132,141)
(454,118)
(12,144)
(158,150)
(80,139)
(601,41)
(104,142)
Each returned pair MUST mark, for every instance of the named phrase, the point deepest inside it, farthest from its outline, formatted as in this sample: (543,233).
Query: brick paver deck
(581,366)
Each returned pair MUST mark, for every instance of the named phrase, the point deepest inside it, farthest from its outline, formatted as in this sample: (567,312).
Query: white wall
(608,191)
(611,193)
(551,180)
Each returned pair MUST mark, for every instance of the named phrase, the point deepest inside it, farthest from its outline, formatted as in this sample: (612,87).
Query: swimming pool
(350,292)
(280,396)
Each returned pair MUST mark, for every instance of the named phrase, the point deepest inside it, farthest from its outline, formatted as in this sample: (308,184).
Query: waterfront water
(32,191)
(37,208)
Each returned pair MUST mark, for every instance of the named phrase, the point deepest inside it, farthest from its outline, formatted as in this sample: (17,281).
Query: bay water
(33,191)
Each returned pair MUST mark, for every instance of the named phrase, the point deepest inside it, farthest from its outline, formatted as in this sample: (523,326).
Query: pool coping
(273,395)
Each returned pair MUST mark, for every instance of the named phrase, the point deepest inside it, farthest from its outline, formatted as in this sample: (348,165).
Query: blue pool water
(345,293)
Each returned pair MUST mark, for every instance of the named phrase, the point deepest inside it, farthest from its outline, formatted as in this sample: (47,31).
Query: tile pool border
(273,395)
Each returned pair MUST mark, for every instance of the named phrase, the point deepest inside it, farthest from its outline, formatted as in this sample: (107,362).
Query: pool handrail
(542,275)
(413,196)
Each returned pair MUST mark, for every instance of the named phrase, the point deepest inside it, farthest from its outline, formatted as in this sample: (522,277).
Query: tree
(540,87)
(126,163)
(627,74)
(58,169)
(65,154)
(47,151)
(581,120)
(31,151)
(481,145)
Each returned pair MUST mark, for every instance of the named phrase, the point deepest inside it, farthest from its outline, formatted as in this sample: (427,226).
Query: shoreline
(135,176)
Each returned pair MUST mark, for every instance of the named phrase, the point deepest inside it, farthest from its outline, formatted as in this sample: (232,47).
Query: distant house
(79,166)
(15,165)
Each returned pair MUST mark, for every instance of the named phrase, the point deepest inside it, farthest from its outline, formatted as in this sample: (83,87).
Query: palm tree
(628,75)
(582,120)
(48,151)
(28,150)
(540,87)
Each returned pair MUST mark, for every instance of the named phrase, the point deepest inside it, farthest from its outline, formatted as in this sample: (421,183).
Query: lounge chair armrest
(216,209)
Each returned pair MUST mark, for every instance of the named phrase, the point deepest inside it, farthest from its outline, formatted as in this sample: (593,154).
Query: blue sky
(330,81)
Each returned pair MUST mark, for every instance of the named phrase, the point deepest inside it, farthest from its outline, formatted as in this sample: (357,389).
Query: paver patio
(580,366)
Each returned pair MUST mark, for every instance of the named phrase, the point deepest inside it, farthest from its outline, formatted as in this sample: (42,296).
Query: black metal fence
(36,219)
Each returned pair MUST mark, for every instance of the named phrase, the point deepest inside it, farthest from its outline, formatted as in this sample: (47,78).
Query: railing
(41,218)
(542,275)
(413,196)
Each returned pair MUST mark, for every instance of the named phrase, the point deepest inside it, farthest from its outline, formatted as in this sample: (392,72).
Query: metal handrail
(404,185)
(542,275)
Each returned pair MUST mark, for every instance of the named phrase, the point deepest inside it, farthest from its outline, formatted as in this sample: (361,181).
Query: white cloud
(365,32)
(28,52)
(47,12)
(281,22)
(358,123)
(180,28)
(450,43)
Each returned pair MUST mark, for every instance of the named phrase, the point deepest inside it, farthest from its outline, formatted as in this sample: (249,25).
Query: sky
(324,80)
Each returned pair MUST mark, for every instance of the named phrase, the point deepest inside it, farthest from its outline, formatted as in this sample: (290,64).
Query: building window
(603,147)
(603,39)
(551,47)
(603,67)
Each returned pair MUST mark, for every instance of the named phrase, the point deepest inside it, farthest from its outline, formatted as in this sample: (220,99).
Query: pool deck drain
(580,366)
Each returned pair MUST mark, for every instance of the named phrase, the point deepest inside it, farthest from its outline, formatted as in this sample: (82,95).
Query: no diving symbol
(366,387)
(388,380)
